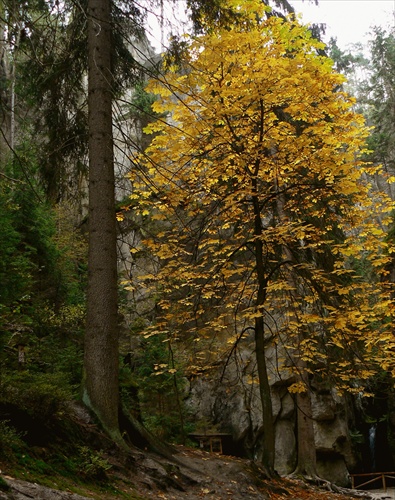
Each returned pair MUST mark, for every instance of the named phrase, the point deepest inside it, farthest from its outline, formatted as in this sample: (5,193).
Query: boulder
(233,406)
(23,490)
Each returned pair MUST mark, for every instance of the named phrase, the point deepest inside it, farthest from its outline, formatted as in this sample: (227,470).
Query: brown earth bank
(193,475)
(105,471)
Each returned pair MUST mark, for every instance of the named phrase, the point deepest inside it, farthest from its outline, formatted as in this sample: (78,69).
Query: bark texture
(307,461)
(101,342)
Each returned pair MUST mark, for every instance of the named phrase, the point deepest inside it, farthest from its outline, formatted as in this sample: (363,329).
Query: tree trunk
(268,437)
(100,391)
(5,76)
(307,461)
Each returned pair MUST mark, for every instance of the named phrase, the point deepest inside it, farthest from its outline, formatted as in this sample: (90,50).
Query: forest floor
(221,477)
(188,474)
(195,475)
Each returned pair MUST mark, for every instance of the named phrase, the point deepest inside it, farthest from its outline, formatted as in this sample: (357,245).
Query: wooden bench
(209,440)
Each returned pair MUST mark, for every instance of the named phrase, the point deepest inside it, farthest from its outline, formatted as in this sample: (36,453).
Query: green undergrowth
(43,441)
(66,463)
(110,490)
(4,485)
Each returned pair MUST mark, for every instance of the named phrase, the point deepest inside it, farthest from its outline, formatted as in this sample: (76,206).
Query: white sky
(347,20)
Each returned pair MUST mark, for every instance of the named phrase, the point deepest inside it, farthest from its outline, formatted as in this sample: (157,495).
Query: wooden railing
(376,476)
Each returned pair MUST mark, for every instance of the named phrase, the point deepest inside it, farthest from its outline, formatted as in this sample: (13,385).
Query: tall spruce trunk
(101,392)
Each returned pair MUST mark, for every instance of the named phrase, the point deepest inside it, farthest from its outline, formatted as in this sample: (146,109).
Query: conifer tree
(101,391)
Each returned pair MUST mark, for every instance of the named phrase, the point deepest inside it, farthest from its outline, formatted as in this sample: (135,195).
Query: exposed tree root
(327,485)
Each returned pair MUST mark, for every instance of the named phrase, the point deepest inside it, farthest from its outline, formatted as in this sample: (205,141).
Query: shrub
(92,465)
(11,441)
(40,395)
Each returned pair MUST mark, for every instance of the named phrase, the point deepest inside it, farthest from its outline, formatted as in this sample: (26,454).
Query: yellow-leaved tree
(255,180)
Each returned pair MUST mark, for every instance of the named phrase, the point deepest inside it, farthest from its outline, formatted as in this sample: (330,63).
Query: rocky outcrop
(233,406)
(15,489)
(332,442)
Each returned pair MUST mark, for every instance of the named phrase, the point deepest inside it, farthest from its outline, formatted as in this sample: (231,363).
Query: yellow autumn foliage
(257,184)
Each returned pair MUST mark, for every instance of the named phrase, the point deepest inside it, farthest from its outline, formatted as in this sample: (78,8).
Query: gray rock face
(285,461)
(234,407)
